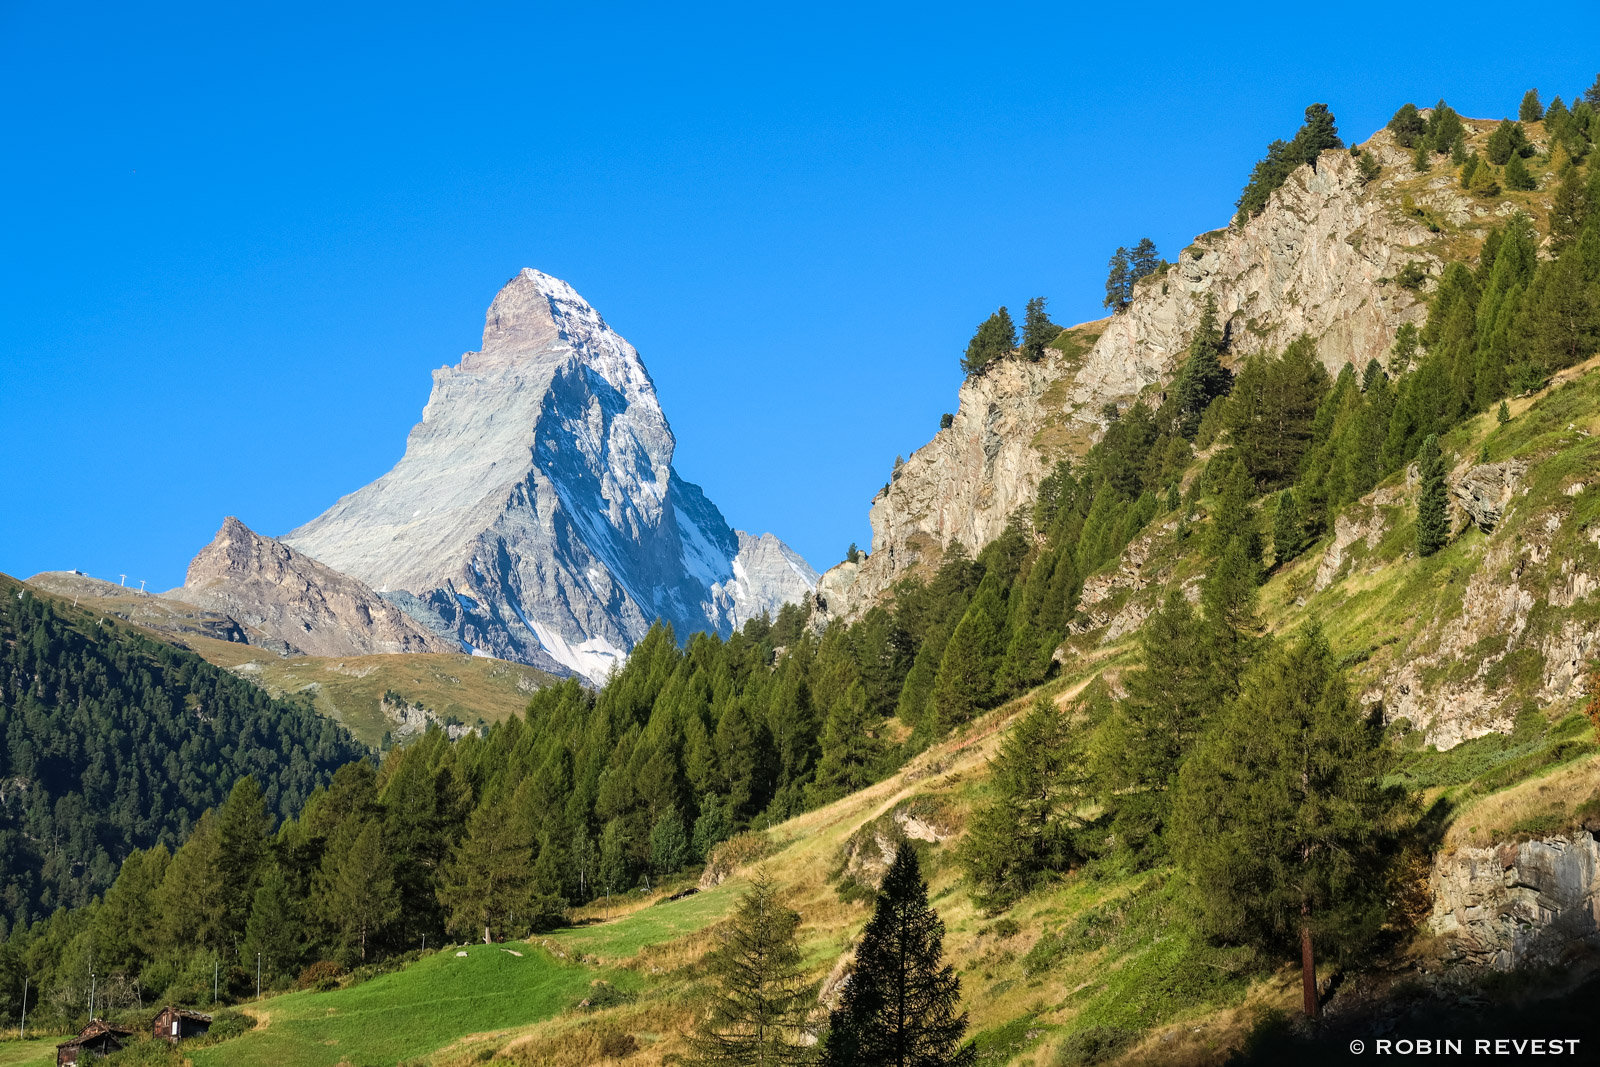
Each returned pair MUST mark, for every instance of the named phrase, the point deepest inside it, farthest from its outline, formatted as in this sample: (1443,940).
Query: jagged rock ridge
(1318,260)
(314,609)
(536,515)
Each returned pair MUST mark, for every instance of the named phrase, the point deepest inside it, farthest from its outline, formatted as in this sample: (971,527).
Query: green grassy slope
(431,1004)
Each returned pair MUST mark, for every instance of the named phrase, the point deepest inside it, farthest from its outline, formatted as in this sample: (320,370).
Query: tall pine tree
(1433,518)
(760,999)
(900,1004)
(1025,830)
(1281,811)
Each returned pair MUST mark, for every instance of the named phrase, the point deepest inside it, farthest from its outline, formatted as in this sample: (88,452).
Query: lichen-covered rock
(1517,903)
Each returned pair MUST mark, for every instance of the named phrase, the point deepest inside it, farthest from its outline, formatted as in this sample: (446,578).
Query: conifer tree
(900,1004)
(242,825)
(1433,520)
(1271,410)
(275,927)
(1483,183)
(1445,129)
(1503,415)
(1408,126)
(995,338)
(760,999)
(966,678)
(1203,377)
(490,877)
(1141,745)
(1508,139)
(1591,95)
(1037,330)
(1119,280)
(1282,810)
(1287,531)
(669,843)
(1531,110)
(1025,829)
(1405,347)
(851,753)
(1569,207)
(359,895)
(1517,176)
(1143,261)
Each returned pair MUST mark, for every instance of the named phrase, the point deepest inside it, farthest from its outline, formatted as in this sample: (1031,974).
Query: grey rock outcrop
(313,608)
(1318,260)
(1484,491)
(960,487)
(1518,903)
(536,516)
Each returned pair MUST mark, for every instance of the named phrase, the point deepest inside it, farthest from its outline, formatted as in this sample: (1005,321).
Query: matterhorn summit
(536,516)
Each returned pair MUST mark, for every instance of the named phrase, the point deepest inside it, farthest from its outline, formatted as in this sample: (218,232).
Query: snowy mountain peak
(536,515)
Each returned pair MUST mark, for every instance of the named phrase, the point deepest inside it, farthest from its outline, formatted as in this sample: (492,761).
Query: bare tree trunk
(1308,964)
(485,933)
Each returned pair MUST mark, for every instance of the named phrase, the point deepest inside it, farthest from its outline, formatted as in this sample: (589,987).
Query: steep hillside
(1324,259)
(389,699)
(111,741)
(1266,691)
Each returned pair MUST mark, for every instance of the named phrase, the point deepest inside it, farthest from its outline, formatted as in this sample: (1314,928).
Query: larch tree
(359,895)
(1025,829)
(490,874)
(759,999)
(852,753)
(1433,518)
(900,1006)
(1531,110)
(1283,813)
(1138,749)
(1288,532)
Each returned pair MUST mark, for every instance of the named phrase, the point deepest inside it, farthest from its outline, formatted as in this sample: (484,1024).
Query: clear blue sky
(236,238)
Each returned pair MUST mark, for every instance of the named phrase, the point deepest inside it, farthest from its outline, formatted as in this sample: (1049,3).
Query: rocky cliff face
(1518,903)
(1318,260)
(959,487)
(312,608)
(535,514)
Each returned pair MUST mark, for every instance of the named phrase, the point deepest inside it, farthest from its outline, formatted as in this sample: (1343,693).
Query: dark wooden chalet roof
(95,1029)
(185,1013)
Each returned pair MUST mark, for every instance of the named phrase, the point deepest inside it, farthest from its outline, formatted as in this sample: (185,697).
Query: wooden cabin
(175,1024)
(97,1039)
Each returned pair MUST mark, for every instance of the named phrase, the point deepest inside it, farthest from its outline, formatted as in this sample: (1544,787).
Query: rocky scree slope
(536,516)
(1319,260)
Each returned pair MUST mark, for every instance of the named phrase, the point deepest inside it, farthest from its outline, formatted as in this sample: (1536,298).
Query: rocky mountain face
(312,608)
(961,486)
(536,516)
(1319,260)
(1518,903)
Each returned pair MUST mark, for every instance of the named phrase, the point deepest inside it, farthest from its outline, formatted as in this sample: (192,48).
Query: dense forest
(111,741)
(689,745)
